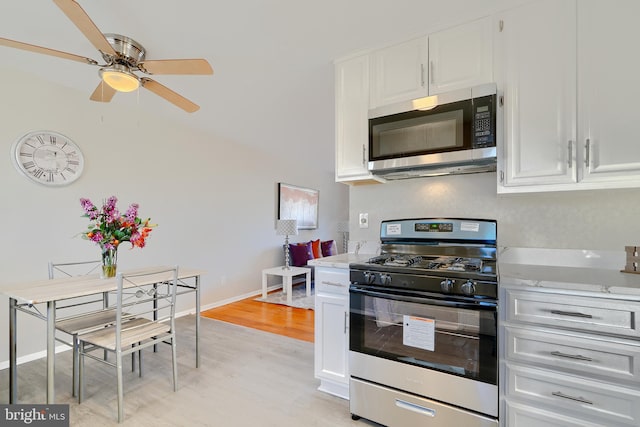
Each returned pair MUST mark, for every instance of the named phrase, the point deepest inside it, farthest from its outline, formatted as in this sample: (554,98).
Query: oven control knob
(447,285)
(468,288)
(369,277)
(385,279)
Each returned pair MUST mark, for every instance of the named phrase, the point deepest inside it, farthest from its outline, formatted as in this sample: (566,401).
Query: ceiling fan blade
(176,66)
(103,93)
(46,51)
(79,17)
(166,93)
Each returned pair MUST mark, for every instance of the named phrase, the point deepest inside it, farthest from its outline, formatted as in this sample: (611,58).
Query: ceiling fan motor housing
(130,52)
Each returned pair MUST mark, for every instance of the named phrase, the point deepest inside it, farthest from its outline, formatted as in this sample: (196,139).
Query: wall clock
(48,158)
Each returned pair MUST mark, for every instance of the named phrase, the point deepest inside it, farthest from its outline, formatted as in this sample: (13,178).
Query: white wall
(213,198)
(597,220)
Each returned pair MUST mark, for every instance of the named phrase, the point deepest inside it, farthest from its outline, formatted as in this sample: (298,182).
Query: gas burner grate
(455,264)
(403,261)
(396,260)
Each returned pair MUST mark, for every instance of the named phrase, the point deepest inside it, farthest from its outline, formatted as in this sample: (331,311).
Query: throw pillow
(300,254)
(329,248)
(315,247)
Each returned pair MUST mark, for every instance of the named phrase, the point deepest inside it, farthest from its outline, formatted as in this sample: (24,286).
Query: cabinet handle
(566,396)
(501,100)
(587,149)
(571,313)
(501,25)
(363,155)
(501,176)
(569,159)
(333,284)
(422,75)
(346,321)
(572,356)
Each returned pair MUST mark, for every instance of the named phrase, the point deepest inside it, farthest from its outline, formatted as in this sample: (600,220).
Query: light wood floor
(278,319)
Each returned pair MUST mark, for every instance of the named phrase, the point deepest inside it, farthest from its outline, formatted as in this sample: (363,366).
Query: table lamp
(286,228)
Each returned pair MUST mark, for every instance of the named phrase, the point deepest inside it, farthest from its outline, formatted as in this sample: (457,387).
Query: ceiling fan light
(120,78)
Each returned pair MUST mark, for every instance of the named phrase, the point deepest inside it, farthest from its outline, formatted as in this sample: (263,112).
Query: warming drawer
(395,408)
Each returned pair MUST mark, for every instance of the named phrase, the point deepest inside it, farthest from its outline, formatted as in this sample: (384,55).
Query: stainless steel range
(423,325)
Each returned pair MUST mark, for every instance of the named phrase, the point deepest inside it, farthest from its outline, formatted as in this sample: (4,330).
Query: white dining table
(26,296)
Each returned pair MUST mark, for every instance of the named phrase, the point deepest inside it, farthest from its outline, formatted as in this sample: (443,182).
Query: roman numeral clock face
(48,158)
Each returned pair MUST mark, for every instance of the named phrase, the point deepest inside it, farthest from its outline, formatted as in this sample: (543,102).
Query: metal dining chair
(90,313)
(147,295)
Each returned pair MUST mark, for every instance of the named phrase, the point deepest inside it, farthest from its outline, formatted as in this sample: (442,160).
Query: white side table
(287,279)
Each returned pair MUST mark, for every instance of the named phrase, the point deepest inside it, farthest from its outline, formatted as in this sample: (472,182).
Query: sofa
(301,253)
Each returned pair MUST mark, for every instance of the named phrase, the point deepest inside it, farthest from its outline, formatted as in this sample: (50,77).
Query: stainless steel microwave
(447,133)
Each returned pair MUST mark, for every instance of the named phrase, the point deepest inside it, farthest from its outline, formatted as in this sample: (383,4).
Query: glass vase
(109,262)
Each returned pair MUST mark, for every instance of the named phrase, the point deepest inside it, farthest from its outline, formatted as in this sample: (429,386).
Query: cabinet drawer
(581,354)
(518,415)
(614,404)
(593,315)
(332,280)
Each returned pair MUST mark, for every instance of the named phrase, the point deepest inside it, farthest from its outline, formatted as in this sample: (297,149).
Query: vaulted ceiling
(270,57)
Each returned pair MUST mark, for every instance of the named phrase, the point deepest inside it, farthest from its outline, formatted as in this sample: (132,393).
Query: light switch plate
(364,220)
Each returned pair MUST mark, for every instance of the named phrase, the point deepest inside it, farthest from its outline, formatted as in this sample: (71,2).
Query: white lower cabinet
(332,330)
(568,359)
(528,416)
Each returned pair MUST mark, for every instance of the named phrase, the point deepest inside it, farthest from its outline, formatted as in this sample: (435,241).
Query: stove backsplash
(364,247)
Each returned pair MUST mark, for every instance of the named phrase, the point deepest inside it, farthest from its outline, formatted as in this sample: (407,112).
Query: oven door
(454,336)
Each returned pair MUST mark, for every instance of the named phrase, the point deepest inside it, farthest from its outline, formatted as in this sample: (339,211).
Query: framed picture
(298,203)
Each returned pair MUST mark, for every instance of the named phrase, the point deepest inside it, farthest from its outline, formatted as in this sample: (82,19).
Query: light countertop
(585,271)
(570,278)
(340,261)
(576,270)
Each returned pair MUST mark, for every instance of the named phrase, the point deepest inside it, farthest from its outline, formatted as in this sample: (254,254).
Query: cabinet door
(608,65)
(461,56)
(398,73)
(352,131)
(331,334)
(535,70)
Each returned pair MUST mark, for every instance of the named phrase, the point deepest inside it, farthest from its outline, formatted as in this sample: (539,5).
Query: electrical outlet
(364,220)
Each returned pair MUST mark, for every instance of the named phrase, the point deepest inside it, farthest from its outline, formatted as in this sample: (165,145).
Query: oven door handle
(429,300)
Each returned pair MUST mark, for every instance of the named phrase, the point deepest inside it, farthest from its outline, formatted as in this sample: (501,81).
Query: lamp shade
(120,78)
(287,227)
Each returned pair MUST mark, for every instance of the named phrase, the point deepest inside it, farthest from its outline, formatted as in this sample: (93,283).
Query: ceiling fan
(122,57)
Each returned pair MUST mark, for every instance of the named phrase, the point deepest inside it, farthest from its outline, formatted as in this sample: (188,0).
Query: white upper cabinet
(352,126)
(535,70)
(461,56)
(398,72)
(608,91)
(568,82)
(455,58)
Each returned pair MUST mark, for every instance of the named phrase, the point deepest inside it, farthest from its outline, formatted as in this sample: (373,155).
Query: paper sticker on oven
(470,226)
(419,332)
(394,229)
